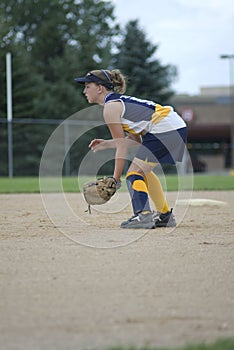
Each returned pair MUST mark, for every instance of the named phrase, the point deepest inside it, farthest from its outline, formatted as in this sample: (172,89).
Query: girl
(159,129)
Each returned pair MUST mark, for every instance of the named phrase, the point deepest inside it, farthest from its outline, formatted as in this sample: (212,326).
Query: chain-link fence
(21,153)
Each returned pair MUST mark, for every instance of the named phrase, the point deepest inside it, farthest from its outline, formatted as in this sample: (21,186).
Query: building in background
(210,120)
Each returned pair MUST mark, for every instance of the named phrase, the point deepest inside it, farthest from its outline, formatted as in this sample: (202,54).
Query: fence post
(9,114)
(67,148)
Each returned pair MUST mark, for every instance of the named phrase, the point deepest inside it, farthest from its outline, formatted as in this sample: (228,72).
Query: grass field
(222,344)
(70,184)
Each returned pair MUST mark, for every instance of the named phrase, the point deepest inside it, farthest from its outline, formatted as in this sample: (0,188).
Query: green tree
(64,38)
(58,40)
(148,78)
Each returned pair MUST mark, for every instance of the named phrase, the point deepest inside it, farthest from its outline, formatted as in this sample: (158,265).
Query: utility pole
(230,58)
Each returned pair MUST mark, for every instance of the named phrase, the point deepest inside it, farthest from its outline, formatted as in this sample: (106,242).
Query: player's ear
(101,88)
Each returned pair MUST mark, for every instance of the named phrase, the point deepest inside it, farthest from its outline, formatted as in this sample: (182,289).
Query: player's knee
(136,181)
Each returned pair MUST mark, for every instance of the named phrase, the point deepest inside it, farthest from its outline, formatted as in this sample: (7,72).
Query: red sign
(188,115)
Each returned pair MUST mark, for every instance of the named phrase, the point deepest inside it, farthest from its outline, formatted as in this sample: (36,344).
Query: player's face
(92,92)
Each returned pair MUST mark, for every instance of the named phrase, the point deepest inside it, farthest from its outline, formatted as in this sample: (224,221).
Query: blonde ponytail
(118,80)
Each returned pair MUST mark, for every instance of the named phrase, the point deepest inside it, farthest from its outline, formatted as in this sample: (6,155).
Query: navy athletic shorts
(164,148)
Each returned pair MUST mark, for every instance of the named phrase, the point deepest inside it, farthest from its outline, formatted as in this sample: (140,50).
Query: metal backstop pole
(9,114)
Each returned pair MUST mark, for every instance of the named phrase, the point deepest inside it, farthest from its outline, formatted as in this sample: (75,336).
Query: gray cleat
(139,220)
(164,220)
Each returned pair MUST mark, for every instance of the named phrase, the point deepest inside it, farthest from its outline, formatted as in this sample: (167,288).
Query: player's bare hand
(97,145)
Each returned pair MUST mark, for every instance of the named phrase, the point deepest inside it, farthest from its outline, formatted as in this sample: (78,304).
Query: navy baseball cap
(92,78)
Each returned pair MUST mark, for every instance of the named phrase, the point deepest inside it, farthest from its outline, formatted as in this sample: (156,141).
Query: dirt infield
(79,282)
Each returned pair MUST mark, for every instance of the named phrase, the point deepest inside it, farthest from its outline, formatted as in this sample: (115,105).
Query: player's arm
(132,139)
(112,113)
(101,144)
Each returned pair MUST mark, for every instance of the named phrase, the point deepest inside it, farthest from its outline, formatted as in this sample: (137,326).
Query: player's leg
(156,150)
(156,192)
(143,217)
(163,216)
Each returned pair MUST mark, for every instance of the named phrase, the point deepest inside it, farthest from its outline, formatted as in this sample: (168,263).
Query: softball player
(160,131)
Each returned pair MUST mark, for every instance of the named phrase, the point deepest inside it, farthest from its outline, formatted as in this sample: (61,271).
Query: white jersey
(142,116)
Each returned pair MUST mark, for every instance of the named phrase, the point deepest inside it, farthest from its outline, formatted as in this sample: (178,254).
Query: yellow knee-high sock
(156,192)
